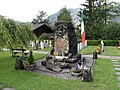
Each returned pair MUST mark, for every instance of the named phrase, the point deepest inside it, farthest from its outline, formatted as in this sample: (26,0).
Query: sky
(26,10)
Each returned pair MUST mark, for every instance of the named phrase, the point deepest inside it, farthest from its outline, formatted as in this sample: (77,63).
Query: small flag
(82,29)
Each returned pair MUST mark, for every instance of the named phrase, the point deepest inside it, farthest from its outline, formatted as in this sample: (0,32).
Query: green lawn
(88,50)
(111,50)
(38,56)
(104,77)
(108,50)
(46,49)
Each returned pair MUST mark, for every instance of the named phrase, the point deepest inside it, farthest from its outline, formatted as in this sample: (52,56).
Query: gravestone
(32,44)
(64,38)
(47,43)
(50,43)
(80,46)
(64,57)
(37,44)
(19,64)
(95,55)
(102,46)
(85,43)
(42,45)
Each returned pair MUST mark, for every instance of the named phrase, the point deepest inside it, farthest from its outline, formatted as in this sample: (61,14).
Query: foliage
(98,49)
(111,42)
(40,18)
(111,31)
(104,77)
(97,15)
(106,42)
(64,15)
(14,34)
(45,36)
(30,58)
(93,42)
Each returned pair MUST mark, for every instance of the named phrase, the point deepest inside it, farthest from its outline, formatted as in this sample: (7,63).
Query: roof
(39,29)
(35,26)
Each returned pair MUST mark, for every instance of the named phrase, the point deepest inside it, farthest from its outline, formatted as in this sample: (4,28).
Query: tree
(4,35)
(40,18)
(97,14)
(14,34)
(111,31)
(64,15)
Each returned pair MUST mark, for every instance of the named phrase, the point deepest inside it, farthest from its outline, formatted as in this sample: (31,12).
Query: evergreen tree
(97,14)
(40,18)
(64,15)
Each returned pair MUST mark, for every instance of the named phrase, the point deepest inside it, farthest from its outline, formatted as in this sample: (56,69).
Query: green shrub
(111,42)
(106,42)
(93,42)
(30,58)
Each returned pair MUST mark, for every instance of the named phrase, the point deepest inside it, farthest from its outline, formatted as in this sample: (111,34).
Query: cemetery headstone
(50,43)
(80,45)
(102,46)
(37,45)
(19,64)
(95,55)
(42,45)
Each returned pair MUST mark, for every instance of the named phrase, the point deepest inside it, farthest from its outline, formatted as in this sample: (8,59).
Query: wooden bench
(22,51)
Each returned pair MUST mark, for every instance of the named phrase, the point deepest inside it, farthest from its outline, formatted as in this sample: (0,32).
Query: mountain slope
(73,12)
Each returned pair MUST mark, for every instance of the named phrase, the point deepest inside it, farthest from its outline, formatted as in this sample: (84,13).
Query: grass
(88,50)
(104,77)
(108,50)
(1,86)
(45,49)
(111,50)
(38,56)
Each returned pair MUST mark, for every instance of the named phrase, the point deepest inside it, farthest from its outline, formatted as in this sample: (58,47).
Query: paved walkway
(103,56)
(116,65)
(8,88)
(41,52)
(3,87)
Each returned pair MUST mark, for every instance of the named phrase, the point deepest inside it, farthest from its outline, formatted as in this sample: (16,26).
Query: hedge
(106,42)
(93,42)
